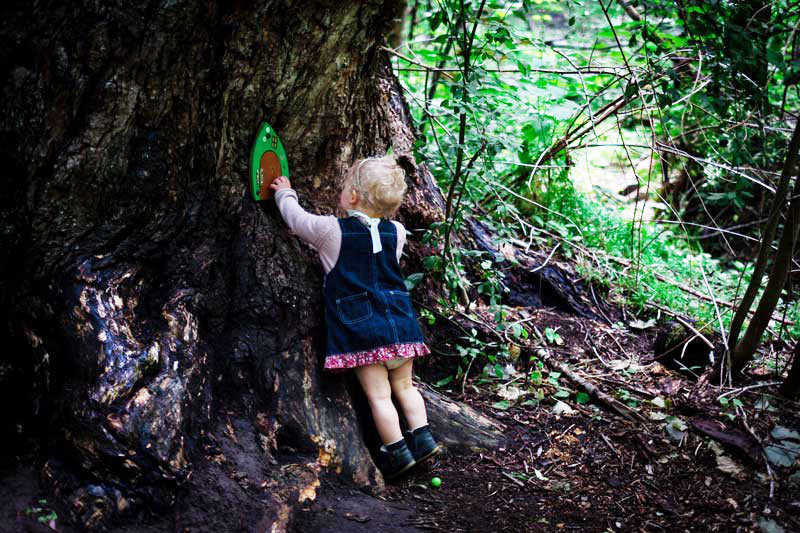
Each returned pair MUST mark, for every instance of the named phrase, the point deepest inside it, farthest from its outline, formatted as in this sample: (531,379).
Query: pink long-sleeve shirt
(321,232)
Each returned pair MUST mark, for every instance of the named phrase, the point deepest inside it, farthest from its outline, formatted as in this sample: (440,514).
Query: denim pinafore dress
(368,312)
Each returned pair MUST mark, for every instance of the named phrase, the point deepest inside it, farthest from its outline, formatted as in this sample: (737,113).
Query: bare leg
(408,396)
(374,380)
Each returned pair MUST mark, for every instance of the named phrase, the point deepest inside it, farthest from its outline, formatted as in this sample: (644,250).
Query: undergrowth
(657,266)
(507,96)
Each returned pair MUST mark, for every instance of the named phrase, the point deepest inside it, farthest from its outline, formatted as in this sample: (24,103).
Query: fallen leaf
(230,432)
(502,405)
(560,408)
(732,437)
(641,324)
(676,428)
(510,393)
(658,401)
(769,525)
(783,455)
(729,466)
(781,433)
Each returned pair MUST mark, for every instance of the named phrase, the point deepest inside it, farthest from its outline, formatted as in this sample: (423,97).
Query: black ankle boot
(394,459)
(422,444)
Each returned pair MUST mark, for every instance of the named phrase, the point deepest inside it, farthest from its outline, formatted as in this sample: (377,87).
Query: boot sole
(436,451)
(399,473)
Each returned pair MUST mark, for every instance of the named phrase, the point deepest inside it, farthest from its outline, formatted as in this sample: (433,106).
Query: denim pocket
(355,308)
(400,302)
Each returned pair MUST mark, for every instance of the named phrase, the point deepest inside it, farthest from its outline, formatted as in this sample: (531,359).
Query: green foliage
(42,513)
(543,88)
(730,407)
(553,337)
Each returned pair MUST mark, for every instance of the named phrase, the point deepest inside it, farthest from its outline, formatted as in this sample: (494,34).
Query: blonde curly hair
(380,183)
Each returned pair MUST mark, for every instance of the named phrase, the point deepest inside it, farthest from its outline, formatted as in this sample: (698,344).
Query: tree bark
(746,347)
(790,388)
(765,247)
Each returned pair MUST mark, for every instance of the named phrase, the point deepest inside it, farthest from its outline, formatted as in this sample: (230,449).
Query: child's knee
(402,386)
(379,394)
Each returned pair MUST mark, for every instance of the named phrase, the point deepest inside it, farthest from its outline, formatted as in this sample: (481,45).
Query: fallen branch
(592,389)
(513,479)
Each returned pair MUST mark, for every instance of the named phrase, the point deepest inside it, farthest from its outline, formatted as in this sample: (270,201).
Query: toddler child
(371,325)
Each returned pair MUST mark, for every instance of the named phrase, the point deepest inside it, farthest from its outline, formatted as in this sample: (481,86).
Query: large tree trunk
(160,323)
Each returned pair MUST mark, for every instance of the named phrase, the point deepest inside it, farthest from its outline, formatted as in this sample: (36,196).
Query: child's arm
(314,229)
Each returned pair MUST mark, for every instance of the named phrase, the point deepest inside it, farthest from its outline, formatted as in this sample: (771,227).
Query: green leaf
(443,382)
(432,262)
(676,428)
(582,397)
(553,337)
(502,405)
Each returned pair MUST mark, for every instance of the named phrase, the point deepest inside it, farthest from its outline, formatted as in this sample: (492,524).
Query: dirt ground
(588,485)
(686,463)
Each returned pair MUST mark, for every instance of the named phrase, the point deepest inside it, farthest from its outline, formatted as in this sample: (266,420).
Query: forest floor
(593,470)
(583,469)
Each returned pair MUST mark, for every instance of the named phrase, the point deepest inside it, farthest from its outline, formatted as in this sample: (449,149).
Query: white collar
(373,228)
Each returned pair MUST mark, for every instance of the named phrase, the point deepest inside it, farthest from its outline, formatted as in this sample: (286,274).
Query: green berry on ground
(436,482)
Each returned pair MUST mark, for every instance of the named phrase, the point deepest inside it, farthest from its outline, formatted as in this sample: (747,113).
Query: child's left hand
(281,182)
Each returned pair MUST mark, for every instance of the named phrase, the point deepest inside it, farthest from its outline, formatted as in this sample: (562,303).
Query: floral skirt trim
(343,361)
